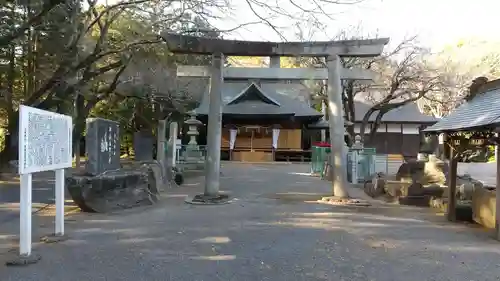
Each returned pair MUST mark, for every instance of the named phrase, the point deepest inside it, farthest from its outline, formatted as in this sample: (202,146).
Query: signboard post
(45,144)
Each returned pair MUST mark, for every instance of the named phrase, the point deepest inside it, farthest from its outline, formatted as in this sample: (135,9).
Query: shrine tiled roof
(323,124)
(480,112)
(251,99)
(289,99)
(408,113)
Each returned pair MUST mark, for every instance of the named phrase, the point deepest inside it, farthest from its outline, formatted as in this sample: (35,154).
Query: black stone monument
(143,146)
(102,146)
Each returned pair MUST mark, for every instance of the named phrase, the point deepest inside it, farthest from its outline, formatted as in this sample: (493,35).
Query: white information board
(45,140)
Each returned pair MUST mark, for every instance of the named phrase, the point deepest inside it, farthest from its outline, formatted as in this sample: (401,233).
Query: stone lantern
(192,132)
(357,143)
(193,156)
(356,159)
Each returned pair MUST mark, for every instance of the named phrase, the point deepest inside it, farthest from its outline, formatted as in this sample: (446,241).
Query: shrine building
(260,122)
(272,120)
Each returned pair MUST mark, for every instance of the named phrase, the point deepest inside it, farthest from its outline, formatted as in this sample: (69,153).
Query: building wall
(401,139)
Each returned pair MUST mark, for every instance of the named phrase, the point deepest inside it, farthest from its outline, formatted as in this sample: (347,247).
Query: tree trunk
(376,124)
(348,104)
(364,123)
(79,126)
(10,152)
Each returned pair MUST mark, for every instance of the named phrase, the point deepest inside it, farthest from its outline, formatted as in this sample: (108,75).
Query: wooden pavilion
(475,123)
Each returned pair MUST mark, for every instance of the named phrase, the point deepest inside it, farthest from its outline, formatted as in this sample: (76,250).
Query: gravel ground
(264,234)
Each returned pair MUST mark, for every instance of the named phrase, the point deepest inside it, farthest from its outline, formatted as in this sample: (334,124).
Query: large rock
(136,185)
(394,188)
(414,189)
(484,207)
(433,171)
(378,184)
(434,190)
(466,186)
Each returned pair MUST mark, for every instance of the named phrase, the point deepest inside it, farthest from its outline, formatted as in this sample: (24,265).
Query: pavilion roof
(482,112)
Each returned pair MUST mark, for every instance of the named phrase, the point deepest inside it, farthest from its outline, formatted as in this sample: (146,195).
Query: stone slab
(143,146)
(102,146)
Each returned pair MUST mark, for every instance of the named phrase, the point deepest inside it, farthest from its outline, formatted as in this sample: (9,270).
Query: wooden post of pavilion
(497,191)
(451,206)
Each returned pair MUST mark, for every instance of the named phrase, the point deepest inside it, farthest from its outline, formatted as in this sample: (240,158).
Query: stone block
(413,189)
(162,182)
(466,186)
(464,213)
(102,146)
(434,190)
(375,187)
(143,146)
(418,200)
(424,172)
(438,203)
(484,207)
(393,188)
(136,185)
(378,185)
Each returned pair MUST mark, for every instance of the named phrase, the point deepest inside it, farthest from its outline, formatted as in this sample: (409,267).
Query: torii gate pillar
(333,50)
(336,122)
(214,128)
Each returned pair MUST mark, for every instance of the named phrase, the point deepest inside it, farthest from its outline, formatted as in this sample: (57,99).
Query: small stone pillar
(356,150)
(172,145)
(161,143)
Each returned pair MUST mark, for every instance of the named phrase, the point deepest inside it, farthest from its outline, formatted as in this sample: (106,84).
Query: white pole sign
(45,144)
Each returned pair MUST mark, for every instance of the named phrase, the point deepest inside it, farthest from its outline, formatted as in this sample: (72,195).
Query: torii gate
(332,50)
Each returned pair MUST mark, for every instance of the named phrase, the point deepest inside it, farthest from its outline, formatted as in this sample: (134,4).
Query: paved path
(43,194)
(260,238)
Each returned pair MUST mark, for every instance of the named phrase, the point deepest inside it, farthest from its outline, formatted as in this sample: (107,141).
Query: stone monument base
(136,185)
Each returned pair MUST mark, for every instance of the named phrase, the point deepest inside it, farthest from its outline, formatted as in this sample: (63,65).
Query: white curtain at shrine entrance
(232,138)
(276,134)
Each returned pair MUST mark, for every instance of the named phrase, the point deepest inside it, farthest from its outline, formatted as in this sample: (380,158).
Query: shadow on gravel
(260,238)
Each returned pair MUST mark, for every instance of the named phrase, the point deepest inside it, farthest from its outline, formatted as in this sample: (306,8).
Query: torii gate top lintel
(204,46)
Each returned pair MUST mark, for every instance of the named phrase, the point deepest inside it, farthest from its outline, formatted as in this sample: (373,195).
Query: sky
(435,22)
